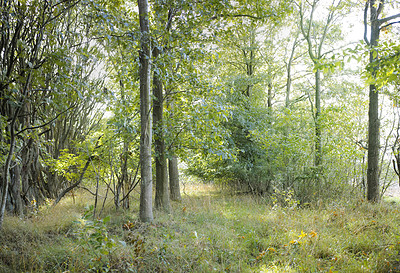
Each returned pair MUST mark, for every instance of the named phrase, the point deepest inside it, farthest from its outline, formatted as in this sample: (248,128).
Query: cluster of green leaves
(388,62)
(92,237)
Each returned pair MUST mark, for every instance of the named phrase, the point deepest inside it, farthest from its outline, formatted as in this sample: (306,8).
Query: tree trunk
(162,193)
(6,171)
(146,205)
(125,176)
(123,179)
(376,8)
(373,146)
(174,187)
(15,190)
(289,74)
(318,140)
(269,99)
(373,113)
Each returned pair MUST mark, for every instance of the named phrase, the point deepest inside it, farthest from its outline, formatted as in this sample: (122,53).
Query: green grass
(207,232)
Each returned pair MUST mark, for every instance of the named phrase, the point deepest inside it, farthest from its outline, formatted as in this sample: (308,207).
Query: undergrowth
(207,232)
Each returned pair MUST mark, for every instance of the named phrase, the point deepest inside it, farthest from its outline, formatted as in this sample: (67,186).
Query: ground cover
(209,231)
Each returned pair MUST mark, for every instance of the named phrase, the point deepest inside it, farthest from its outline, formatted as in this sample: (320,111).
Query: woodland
(199,136)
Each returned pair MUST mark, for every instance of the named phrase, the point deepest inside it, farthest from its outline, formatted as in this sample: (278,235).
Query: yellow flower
(271,249)
(302,235)
(313,234)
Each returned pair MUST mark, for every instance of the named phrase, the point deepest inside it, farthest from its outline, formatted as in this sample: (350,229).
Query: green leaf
(374,54)
(106,219)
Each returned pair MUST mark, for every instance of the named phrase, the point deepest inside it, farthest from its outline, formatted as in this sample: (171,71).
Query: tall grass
(208,231)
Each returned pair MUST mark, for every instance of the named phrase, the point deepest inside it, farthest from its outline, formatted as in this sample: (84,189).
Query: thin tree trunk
(162,193)
(289,74)
(174,187)
(173,171)
(146,205)
(269,100)
(125,176)
(6,170)
(318,140)
(6,173)
(373,146)
(15,190)
(373,112)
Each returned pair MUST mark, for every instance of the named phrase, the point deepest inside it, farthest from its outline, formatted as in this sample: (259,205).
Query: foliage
(388,62)
(92,237)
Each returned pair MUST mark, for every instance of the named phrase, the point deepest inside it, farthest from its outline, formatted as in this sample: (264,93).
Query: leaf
(374,54)
(106,219)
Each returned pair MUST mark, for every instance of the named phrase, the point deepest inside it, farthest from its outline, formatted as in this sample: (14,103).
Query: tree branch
(86,189)
(47,123)
(387,19)
(65,191)
(380,8)
(365,23)
(237,15)
(392,23)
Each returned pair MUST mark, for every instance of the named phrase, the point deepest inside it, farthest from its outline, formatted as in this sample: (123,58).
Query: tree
(316,35)
(146,205)
(162,193)
(376,24)
(160,48)
(42,75)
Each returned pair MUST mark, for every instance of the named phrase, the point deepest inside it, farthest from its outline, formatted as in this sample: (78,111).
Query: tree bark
(174,187)
(6,171)
(373,112)
(162,193)
(318,140)
(15,190)
(146,205)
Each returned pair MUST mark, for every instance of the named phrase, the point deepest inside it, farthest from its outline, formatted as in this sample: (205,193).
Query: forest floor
(208,231)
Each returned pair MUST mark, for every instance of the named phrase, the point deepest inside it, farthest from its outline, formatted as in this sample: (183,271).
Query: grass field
(208,231)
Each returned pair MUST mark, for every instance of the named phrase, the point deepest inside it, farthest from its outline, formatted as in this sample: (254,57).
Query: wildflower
(313,234)
(302,235)
(271,249)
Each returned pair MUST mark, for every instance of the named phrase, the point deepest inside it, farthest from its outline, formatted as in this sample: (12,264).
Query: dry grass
(210,232)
